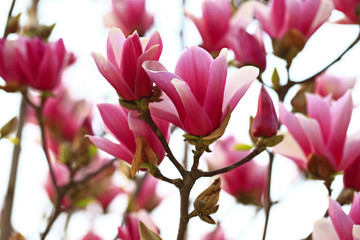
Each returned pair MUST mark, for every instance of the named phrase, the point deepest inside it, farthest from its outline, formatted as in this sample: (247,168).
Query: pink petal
(116,121)
(193,67)
(341,115)
(132,50)
(319,109)
(313,133)
(290,148)
(343,224)
(215,88)
(196,121)
(114,149)
(324,230)
(237,85)
(356,232)
(355,209)
(351,151)
(155,39)
(115,44)
(293,125)
(166,110)
(322,15)
(113,76)
(200,25)
(162,78)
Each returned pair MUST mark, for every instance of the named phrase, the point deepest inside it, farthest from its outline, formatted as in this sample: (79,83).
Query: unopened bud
(206,202)
(265,123)
(143,154)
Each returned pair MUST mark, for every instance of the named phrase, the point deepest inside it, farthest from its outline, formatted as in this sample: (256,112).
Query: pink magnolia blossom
(33,62)
(214,24)
(248,48)
(326,84)
(217,234)
(126,126)
(64,117)
(129,15)
(130,231)
(305,16)
(247,183)
(123,66)
(198,94)
(350,8)
(108,191)
(341,226)
(265,123)
(147,198)
(323,133)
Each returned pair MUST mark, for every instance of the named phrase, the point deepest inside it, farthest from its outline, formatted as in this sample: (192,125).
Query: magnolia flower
(129,15)
(305,16)
(248,48)
(265,123)
(318,143)
(33,62)
(123,68)
(146,197)
(247,182)
(197,95)
(130,231)
(214,24)
(350,8)
(126,126)
(341,226)
(326,84)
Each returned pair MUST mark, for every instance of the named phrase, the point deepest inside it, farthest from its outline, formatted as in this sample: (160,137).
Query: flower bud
(265,123)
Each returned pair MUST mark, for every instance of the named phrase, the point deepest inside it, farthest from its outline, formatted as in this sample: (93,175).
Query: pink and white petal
(114,149)
(237,85)
(193,67)
(196,121)
(290,148)
(341,114)
(319,109)
(356,232)
(351,150)
(215,88)
(140,128)
(262,13)
(317,145)
(200,25)
(293,125)
(166,110)
(355,209)
(113,76)
(162,78)
(115,44)
(343,223)
(155,39)
(116,121)
(323,14)
(244,14)
(324,230)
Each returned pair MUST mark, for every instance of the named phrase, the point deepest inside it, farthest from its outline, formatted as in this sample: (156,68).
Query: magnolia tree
(309,125)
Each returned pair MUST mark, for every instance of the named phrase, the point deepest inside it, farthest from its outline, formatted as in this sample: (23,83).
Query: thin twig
(148,119)
(9,16)
(246,159)
(268,203)
(55,214)
(6,227)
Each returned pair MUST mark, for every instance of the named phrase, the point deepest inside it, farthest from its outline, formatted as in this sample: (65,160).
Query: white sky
(79,23)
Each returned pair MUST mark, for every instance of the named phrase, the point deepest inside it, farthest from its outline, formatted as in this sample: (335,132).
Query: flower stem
(268,203)
(6,227)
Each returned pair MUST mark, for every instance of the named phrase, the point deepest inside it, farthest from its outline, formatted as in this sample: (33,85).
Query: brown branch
(148,119)
(55,214)
(6,227)
(9,16)
(254,153)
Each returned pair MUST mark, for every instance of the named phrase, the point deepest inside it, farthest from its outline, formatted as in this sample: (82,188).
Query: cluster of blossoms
(198,97)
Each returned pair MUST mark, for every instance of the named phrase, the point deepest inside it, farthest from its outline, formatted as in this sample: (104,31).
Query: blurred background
(80,24)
